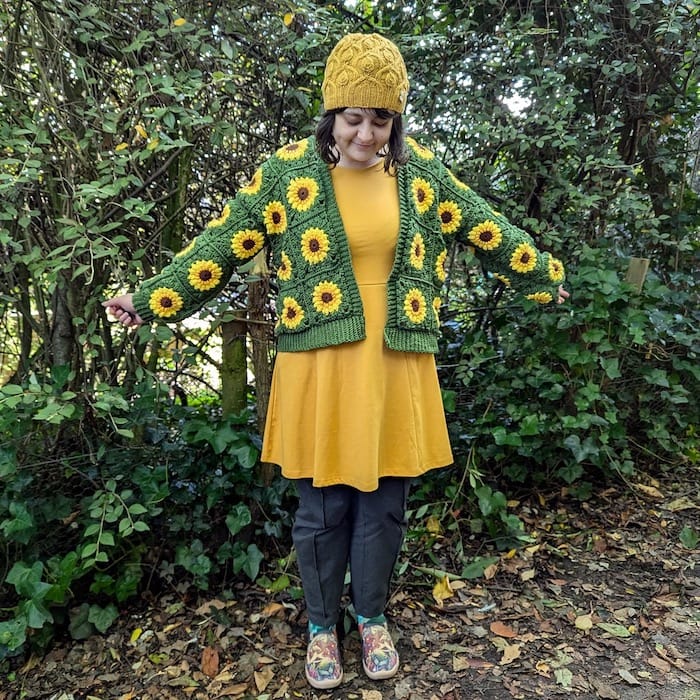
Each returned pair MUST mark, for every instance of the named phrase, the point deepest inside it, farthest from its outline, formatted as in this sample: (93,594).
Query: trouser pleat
(337,525)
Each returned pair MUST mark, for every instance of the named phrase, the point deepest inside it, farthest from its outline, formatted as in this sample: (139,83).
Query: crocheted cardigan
(290,206)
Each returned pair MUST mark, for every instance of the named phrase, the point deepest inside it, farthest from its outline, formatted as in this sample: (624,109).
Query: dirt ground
(605,603)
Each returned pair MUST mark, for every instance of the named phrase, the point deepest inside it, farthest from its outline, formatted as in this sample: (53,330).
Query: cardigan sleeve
(505,250)
(200,271)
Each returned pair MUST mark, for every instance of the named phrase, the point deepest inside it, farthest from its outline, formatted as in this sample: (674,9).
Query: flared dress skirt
(353,413)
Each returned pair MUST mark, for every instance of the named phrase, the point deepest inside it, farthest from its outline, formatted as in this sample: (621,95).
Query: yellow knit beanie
(365,70)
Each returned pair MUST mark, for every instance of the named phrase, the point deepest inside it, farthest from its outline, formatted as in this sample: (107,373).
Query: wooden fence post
(637,272)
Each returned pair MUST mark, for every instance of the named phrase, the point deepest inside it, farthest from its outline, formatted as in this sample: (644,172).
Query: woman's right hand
(123,311)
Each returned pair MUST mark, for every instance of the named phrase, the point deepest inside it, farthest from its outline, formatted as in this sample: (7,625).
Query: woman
(358,219)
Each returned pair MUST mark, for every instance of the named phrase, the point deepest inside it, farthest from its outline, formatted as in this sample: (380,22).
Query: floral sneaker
(323,666)
(379,657)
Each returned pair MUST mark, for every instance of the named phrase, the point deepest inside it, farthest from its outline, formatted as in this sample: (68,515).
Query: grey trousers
(337,525)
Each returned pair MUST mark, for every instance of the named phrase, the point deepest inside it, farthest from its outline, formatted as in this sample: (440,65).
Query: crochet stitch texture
(365,70)
(290,206)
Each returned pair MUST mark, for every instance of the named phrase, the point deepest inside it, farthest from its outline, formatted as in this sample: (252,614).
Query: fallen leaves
(628,677)
(263,677)
(616,630)
(584,622)
(502,630)
(650,491)
(442,590)
(509,652)
(604,601)
(210,662)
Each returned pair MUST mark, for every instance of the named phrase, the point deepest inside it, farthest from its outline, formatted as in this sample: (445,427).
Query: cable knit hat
(365,70)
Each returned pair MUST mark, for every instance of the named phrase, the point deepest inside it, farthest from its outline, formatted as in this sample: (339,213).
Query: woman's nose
(365,131)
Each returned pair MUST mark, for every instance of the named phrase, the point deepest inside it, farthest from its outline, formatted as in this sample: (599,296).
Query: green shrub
(102,496)
(598,388)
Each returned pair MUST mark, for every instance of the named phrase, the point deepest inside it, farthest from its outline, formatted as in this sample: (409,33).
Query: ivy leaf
(101,617)
(238,518)
(563,677)
(689,538)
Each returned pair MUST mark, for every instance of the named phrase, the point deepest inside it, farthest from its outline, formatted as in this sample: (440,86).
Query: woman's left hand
(563,295)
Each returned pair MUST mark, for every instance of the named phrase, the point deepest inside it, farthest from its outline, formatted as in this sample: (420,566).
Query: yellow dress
(353,413)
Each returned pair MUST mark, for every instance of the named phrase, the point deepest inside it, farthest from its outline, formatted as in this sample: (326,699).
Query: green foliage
(570,395)
(176,499)
(689,537)
(121,118)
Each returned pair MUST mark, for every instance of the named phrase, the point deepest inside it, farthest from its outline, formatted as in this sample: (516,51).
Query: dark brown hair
(396,151)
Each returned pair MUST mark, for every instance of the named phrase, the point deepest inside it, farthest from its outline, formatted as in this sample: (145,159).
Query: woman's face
(359,136)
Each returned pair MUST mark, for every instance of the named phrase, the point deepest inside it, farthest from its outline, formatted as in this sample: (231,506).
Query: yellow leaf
(153,144)
(272,609)
(442,590)
(543,668)
(141,131)
(207,607)
(528,575)
(288,18)
(650,491)
(121,146)
(263,678)
(584,622)
(490,571)
(180,21)
(433,525)
(615,629)
(135,635)
(461,663)
(510,653)
(371,694)
(682,503)
(33,662)
(233,691)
